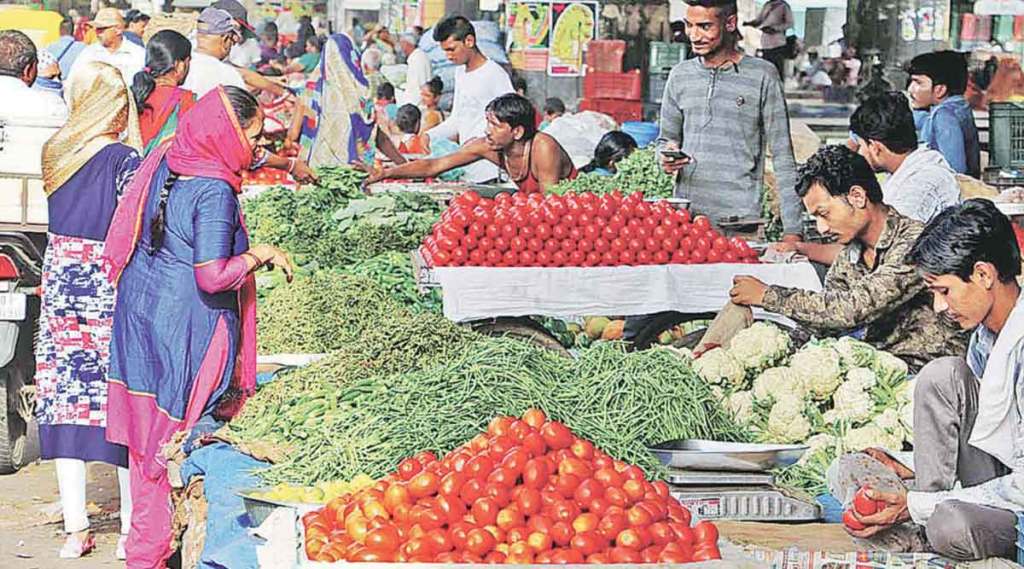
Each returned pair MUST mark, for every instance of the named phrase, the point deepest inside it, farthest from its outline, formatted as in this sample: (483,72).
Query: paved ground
(30,528)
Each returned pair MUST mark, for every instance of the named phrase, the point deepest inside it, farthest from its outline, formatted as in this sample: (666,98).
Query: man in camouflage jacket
(869,289)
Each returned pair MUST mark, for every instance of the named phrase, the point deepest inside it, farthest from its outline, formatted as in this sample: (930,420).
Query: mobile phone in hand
(675,154)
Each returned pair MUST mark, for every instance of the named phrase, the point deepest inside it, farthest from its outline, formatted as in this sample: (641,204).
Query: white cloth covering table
(475,293)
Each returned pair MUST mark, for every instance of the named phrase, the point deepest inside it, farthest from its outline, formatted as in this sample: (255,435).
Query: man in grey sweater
(723,109)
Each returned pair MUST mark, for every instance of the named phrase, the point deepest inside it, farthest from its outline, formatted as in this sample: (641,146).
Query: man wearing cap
(216,33)
(110,47)
(136,22)
(19,63)
(419,69)
(937,84)
(242,53)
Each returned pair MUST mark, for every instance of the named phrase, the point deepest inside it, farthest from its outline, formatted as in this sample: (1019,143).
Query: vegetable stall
(410,437)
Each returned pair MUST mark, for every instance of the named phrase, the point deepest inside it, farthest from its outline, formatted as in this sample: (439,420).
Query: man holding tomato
(969,477)
(720,111)
(870,286)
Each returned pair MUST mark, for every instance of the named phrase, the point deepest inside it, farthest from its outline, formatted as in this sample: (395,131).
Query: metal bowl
(696,454)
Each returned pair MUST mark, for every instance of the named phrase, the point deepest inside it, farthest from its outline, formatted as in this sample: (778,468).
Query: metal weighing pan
(696,454)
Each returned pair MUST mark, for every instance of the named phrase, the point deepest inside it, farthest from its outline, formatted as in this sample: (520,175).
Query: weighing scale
(730,481)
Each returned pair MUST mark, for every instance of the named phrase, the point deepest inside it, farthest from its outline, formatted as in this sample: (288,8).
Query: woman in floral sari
(85,168)
(184,336)
(157,88)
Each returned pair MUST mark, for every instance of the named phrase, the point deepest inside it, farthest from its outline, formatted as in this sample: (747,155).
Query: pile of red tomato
(526,491)
(575,230)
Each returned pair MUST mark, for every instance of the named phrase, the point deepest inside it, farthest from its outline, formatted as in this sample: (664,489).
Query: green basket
(665,56)
(1006,134)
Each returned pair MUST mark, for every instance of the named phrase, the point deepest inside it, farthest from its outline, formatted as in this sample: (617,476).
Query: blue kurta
(164,323)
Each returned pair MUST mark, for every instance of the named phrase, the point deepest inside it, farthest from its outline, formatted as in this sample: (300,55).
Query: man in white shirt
(111,47)
(968,477)
(418,70)
(18,69)
(921,183)
(216,33)
(775,18)
(478,81)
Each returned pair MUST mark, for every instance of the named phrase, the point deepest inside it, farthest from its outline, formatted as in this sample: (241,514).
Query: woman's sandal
(75,547)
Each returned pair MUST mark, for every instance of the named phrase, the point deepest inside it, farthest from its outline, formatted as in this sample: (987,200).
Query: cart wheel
(521,329)
(658,323)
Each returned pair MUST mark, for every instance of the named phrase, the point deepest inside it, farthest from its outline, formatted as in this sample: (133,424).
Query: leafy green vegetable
(640,171)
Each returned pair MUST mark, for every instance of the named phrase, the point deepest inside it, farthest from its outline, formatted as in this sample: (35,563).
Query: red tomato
(635,245)
(556,435)
(611,525)
(567,484)
(479,542)
(471,491)
(626,258)
(587,542)
(609,233)
(561,533)
(714,256)
(552,245)
(866,506)
(698,256)
(408,468)
(706,532)
(384,539)
(851,522)
(535,473)
(629,539)
(485,511)
(701,223)
(707,553)
(609,259)
(526,258)
(424,484)
(662,258)
(587,491)
(608,476)
(616,497)
(577,259)
(602,245)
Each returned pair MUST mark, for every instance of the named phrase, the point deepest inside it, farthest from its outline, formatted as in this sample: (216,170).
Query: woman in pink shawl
(183,343)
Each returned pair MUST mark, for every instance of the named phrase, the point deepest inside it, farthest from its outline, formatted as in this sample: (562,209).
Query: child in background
(519,84)
(553,108)
(410,141)
(385,108)
(612,148)
(430,97)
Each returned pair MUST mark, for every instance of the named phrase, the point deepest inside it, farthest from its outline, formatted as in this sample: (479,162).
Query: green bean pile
(621,401)
(320,313)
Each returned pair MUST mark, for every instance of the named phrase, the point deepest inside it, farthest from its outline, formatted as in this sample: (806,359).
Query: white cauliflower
(741,405)
(786,421)
(851,404)
(818,369)
(855,353)
(907,421)
(817,443)
(871,436)
(759,346)
(718,367)
(890,369)
(862,377)
(776,380)
(889,421)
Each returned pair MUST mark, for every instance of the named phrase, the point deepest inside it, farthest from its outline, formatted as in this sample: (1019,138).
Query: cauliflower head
(862,377)
(889,421)
(855,353)
(890,369)
(907,422)
(759,346)
(851,404)
(786,421)
(870,436)
(818,369)
(741,405)
(718,367)
(773,381)
(817,443)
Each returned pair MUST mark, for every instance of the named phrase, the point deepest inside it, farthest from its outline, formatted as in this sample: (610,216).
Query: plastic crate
(606,55)
(603,85)
(621,111)
(656,86)
(1006,134)
(664,56)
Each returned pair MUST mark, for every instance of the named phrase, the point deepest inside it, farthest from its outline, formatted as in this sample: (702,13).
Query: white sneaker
(74,548)
(121,553)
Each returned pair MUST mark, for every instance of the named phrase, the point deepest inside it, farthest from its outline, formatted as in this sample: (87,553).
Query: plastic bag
(579,134)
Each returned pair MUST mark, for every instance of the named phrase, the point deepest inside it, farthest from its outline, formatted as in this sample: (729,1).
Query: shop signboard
(573,25)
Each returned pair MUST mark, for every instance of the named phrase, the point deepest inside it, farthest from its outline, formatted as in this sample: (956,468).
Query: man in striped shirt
(723,110)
